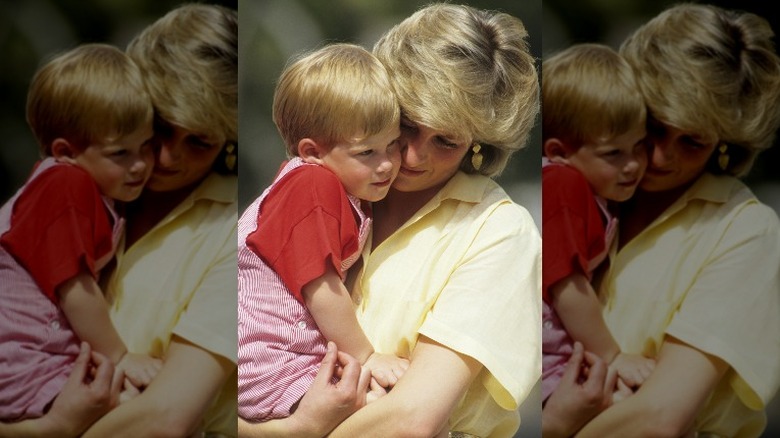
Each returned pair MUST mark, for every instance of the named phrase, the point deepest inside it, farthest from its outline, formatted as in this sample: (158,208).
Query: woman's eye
(446,143)
(198,142)
(691,143)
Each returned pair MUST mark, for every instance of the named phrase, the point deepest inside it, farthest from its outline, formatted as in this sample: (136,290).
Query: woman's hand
(324,405)
(327,404)
(585,389)
(92,389)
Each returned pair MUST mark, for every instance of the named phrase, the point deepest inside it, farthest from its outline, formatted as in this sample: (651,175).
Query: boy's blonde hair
(466,72)
(92,93)
(190,62)
(589,94)
(340,92)
(713,73)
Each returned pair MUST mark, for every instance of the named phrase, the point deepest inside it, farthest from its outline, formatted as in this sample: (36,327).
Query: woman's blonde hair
(340,92)
(189,58)
(467,72)
(92,93)
(711,72)
(589,94)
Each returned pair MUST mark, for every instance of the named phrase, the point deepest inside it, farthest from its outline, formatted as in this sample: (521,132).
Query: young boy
(92,118)
(593,132)
(339,119)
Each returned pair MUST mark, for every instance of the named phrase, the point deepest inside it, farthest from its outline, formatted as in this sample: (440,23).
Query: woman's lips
(164,172)
(411,172)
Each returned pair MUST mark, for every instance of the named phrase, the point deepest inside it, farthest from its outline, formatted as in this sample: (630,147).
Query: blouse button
(55,325)
(301,324)
(548,324)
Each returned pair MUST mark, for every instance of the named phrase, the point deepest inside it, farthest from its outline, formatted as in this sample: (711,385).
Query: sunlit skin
(366,167)
(613,167)
(677,158)
(184,158)
(120,167)
(429,158)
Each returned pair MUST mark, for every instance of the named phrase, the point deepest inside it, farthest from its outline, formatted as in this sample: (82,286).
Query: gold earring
(230,156)
(723,158)
(476,157)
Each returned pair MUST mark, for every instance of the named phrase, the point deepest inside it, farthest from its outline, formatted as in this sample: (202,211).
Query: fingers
(571,372)
(597,373)
(327,366)
(81,365)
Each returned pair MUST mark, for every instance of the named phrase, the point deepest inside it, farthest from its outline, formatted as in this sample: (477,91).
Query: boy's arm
(576,304)
(331,307)
(579,309)
(85,307)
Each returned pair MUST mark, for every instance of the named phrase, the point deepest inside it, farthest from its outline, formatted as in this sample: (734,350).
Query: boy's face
(122,167)
(368,167)
(614,167)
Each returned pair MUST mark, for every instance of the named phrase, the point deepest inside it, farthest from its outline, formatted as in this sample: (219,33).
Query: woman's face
(184,158)
(429,158)
(676,158)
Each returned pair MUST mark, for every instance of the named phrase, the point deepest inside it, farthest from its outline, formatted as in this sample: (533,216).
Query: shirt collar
(217,188)
(465,188)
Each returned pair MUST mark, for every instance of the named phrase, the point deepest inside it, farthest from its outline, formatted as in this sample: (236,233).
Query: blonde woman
(695,279)
(451,273)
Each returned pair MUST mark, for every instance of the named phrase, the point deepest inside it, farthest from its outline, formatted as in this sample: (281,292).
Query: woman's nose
(168,154)
(660,154)
(413,151)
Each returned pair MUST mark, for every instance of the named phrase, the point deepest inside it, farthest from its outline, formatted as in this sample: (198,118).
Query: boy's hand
(633,369)
(139,369)
(386,369)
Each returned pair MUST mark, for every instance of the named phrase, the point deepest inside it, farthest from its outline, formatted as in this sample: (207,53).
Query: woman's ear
(556,151)
(63,151)
(310,151)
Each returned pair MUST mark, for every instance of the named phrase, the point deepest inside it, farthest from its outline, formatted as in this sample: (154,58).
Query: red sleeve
(305,224)
(572,227)
(59,227)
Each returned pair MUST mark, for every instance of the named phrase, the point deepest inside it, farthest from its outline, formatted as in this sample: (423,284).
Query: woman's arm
(175,401)
(667,403)
(91,390)
(325,404)
(422,401)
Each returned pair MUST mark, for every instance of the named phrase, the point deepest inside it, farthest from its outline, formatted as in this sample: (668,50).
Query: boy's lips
(384,183)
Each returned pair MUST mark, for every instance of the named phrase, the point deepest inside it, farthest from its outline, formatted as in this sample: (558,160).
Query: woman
(466,310)
(695,280)
(174,285)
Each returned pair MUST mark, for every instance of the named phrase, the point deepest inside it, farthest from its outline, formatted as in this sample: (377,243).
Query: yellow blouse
(464,271)
(707,272)
(180,278)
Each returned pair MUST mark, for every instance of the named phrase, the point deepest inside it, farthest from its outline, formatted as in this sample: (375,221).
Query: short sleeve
(59,227)
(305,224)
(490,308)
(732,311)
(572,228)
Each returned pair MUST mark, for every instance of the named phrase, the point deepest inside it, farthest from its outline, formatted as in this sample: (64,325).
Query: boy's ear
(310,151)
(556,151)
(63,151)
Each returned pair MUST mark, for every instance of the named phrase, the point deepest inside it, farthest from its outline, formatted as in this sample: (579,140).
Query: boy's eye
(366,152)
(119,153)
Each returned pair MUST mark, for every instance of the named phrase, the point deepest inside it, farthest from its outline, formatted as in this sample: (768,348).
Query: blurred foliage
(34,30)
